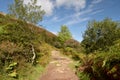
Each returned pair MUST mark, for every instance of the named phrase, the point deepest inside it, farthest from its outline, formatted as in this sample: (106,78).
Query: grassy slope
(16,41)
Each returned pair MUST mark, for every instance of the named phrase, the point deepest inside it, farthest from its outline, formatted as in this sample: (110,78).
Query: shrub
(16,41)
(102,65)
(83,76)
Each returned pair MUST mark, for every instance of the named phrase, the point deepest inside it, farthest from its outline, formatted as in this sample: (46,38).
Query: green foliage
(57,44)
(116,47)
(73,44)
(25,72)
(64,34)
(102,41)
(108,66)
(1,30)
(28,12)
(45,54)
(30,73)
(22,34)
(16,40)
(68,49)
(11,66)
(69,46)
(83,76)
(113,70)
(13,74)
(102,65)
(11,70)
(71,52)
(100,35)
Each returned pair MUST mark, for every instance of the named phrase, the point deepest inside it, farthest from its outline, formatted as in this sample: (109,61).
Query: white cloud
(87,11)
(46,5)
(49,5)
(79,20)
(76,17)
(73,16)
(55,19)
(97,11)
(77,4)
(94,2)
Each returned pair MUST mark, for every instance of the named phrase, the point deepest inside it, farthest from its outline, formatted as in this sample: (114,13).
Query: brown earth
(59,69)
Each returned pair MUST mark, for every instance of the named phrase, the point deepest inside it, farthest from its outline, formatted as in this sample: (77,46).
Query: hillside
(25,48)
(38,29)
(22,46)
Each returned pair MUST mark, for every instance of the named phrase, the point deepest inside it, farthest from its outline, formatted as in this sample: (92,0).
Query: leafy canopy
(28,12)
(64,34)
(100,35)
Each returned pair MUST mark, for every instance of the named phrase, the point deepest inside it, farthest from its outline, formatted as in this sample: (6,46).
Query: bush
(83,76)
(102,65)
(17,40)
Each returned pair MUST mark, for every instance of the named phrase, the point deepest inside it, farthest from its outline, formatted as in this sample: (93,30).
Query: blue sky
(73,13)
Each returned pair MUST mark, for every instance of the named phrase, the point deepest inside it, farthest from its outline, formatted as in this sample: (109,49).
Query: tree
(28,12)
(64,34)
(100,35)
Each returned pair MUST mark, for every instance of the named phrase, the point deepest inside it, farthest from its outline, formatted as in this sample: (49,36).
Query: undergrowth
(29,73)
(101,65)
(24,49)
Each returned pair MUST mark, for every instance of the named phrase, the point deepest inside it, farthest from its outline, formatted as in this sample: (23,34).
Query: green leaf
(13,74)
(13,64)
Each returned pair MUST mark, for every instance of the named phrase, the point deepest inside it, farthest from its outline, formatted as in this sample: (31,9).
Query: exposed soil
(59,69)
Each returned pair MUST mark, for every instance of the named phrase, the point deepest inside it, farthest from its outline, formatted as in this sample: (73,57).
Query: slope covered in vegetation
(101,58)
(24,49)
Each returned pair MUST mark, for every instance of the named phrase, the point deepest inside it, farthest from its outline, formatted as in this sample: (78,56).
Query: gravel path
(58,68)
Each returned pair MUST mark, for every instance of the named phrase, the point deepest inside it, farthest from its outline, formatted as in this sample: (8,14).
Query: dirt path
(58,68)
